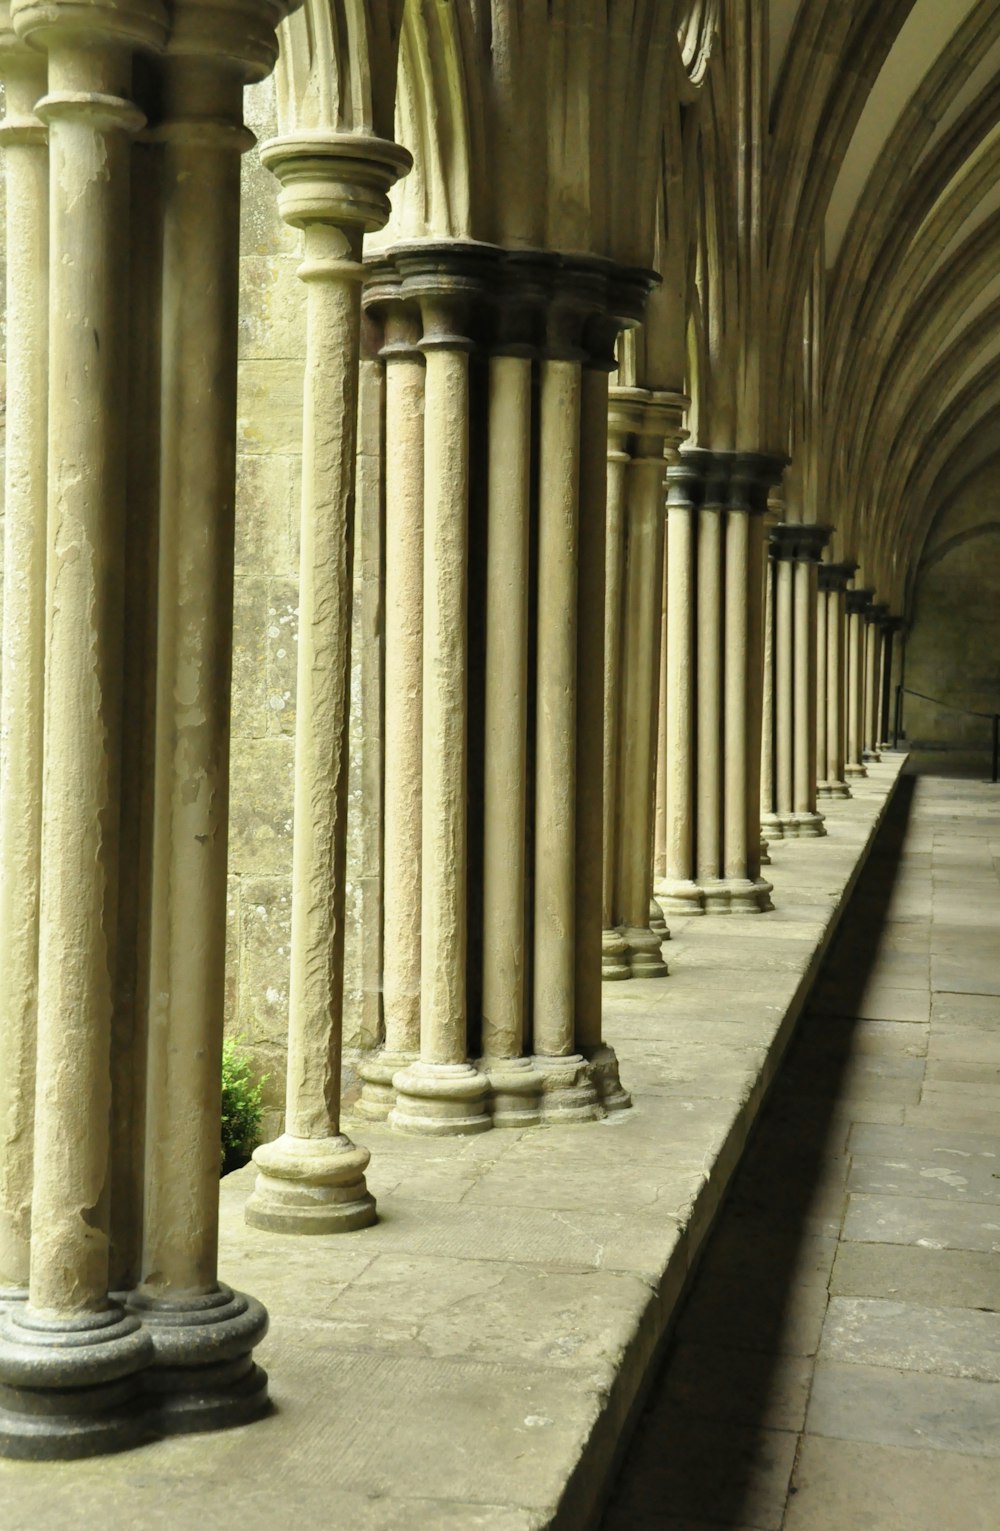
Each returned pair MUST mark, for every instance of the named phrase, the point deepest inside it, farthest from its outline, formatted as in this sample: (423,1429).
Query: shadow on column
(717,1438)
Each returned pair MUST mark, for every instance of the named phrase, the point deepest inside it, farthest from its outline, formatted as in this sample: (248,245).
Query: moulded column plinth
(71,1386)
(378,1094)
(437,1099)
(515,1091)
(311,1185)
(603,1062)
(658,920)
(203,1375)
(644,955)
(614,956)
(569,1090)
(680,896)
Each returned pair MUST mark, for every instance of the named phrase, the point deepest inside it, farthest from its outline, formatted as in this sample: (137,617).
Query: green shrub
(241,1107)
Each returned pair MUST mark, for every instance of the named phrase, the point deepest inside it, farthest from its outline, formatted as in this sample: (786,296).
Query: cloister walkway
(837,1364)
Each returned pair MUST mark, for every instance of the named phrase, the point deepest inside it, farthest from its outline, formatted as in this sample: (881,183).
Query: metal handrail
(971,712)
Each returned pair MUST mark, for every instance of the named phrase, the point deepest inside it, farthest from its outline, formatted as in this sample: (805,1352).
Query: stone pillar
(660,790)
(743,890)
(770,822)
(873,670)
(334,188)
(442,1092)
(203,1332)
(809,547)
(890,627)
(709,650)
(822,620)
(677,890)
(26,172)
(657,425)
(567,1093)
(622,417)
(71,1361)
(404,605)
(514,1084)
(832,579)
(782,557)
(555,922)
(857,604)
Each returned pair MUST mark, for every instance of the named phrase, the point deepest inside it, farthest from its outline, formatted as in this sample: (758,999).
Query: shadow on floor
(716,1442)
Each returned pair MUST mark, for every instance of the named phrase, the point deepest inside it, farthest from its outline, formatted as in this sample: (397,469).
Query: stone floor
(836,1366)
(472,1362)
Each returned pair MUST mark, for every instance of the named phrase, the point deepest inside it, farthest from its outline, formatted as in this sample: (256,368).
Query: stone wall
(953,646)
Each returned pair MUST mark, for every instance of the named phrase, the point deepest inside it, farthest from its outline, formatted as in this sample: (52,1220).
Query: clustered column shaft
(833,579)
(23,139)
(516,351)
(644,425)
(715,592)
(790,727)
(857,604)
(80,1372)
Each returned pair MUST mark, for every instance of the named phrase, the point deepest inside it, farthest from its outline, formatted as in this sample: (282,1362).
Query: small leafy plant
(241,1107)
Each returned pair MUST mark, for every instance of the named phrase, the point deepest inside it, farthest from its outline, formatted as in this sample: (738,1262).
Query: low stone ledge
(474,1361)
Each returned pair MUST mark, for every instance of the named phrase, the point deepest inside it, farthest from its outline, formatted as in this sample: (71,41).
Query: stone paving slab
(474,1359)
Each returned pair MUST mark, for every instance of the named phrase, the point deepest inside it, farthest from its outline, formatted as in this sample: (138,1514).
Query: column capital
(334,178)
(801,542)
(858,602)
(877,612)
(834,576)
(751,476)
(139,24)
(890,623)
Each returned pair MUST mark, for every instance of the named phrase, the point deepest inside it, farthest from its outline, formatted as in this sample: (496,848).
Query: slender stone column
(890,627)
(822,761)
(677,890)
(514,1084)
(833,578)
(709,678)
(442,1092)
(568,1093)
(622,422)
(404,605)
(770,823)
(25,153)
(334,187)
(555,922)
(809,546)
(644,584)
(70,1359)
(744,891)
(783,669)
(857,604)
(660,790)
(873,668)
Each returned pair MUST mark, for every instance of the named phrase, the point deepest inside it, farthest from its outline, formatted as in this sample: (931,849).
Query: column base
(515,1091)
(569,1091)
(603,1063)
(11,1296)
(203,1375)
(644,955)
(765,853)
(680,896)
(871,755)
(808,826)
(71,1387)
(772,826)
(855,770)
(737,895)
(310,1185)
(833,789)
(378,1096)
(614,957)
(658,920)
(438,1099)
